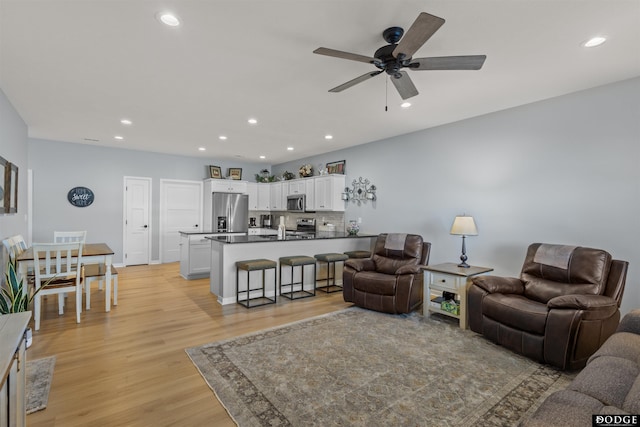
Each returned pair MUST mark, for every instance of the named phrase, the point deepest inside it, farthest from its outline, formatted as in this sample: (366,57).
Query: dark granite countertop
(290,238)
(195,233)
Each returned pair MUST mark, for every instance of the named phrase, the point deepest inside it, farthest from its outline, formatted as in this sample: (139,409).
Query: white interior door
(180,210)
(137,221)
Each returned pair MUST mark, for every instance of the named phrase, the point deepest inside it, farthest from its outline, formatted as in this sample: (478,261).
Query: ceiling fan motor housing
(389,63)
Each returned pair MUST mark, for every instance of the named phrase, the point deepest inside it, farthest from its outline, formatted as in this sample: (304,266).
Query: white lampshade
(464,225)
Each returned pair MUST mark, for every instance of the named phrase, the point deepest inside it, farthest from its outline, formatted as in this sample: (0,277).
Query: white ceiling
(73,69)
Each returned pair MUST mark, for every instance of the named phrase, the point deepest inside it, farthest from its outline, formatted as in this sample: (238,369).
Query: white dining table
(92,253)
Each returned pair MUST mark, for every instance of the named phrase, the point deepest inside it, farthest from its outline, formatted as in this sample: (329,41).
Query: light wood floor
(128,367)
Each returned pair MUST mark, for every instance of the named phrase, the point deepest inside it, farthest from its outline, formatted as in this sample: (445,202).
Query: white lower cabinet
(195,256)
(262,232)
(13,362)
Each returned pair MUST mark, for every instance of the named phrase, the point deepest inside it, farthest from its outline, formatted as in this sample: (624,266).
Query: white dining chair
(69,236)
(97,272)
(15,245)
(57,272)
(90,272)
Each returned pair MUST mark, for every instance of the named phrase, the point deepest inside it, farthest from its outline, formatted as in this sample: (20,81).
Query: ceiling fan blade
(344,55)
(420,31)
(355,81)
(404,85)
(470,62)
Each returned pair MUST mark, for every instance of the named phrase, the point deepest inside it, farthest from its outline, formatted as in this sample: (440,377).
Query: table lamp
(464,226)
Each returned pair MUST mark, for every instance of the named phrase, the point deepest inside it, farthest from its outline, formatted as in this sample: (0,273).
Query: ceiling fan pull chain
(386,95)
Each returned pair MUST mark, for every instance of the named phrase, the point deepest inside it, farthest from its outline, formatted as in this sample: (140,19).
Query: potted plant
(14,297)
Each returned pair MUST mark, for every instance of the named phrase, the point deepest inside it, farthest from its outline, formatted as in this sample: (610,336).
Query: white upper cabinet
(298,186)
(310,191)
(259,196)
(252,192)
(225,186)
(323,193)
(278,196)
(328,191)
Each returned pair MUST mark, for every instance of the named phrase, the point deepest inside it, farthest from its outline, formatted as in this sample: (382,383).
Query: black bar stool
(297,261)
(358,254)
(255,265)
(330,280)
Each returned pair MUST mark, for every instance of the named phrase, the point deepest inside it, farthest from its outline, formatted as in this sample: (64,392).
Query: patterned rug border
(251,334)
(42,369)
(511,401)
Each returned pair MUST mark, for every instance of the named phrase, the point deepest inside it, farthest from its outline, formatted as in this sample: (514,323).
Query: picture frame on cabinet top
(215,172)
(234,173)
(337,167)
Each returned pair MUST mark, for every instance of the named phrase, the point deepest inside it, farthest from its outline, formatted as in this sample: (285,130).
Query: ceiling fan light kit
(398,54)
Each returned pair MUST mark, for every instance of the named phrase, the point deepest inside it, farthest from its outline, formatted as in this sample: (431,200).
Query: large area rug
(362,368)
(39,376)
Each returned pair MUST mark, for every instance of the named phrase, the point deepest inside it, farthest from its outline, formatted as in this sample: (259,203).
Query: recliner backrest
(393,251)
(553,270)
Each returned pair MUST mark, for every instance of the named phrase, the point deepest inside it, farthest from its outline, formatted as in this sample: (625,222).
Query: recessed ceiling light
(328,137)
(405,105)
(252,121)
(222,137)
(202,149)
(263,157)
(594,41)
(118,137)
(125,122)
(290,148)
(168,19)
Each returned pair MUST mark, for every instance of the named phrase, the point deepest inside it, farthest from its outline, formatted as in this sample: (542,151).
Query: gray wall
(13,147)
(60,166)
(565,170)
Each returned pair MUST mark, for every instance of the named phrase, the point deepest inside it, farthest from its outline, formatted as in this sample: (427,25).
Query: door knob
(145,226)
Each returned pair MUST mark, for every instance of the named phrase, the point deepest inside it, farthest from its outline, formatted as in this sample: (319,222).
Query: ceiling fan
(397,55)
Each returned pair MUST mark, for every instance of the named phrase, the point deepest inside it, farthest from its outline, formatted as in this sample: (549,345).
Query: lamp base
(463,257)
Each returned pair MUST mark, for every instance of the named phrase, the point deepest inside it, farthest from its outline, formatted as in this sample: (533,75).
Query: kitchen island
(227,250)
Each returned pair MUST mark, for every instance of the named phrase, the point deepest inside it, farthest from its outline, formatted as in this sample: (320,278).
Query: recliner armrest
(583,302)
(499,285)
(594,307)
(361,264)
(409,269)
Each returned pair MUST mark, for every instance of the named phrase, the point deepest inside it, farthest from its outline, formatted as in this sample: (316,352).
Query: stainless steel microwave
(296,203)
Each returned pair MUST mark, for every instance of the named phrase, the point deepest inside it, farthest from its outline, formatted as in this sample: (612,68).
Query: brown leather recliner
(562,308)
(391,280)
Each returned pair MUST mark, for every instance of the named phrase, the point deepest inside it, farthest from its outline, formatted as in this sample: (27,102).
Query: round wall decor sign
(80,197)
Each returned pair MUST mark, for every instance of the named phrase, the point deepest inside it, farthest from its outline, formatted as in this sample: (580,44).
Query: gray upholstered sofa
(608,385)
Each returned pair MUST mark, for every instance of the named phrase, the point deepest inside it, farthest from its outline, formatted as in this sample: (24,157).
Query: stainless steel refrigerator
(230,212)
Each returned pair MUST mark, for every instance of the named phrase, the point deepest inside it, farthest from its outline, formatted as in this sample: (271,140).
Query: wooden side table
(450,278)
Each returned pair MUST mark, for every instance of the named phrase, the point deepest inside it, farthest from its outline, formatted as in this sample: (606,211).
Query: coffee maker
(252,221)
(266,221)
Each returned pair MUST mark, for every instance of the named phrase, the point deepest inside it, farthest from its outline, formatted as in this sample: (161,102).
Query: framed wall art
(8,187)
(337,167)
(215,172)
(235,173)
(3,181)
